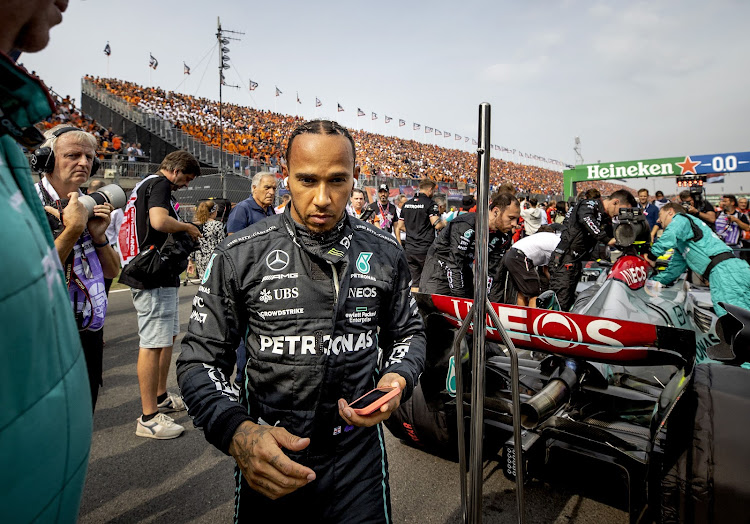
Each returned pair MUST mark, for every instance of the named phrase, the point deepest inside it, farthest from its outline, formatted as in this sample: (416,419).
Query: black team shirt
(416,213)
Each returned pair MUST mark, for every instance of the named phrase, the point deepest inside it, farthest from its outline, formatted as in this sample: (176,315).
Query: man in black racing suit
(448,269)
(586,224)
(315,295)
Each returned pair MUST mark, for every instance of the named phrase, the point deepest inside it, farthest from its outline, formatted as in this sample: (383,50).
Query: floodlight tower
(577,149)
(223,41)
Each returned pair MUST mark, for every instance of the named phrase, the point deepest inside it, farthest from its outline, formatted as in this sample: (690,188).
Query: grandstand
(254,140)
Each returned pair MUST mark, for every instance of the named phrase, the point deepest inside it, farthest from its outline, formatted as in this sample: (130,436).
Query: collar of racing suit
(329,245)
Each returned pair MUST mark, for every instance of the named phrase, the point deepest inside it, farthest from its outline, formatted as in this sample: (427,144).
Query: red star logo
(687,166)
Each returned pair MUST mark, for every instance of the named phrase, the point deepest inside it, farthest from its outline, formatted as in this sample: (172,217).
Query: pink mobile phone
(373,400)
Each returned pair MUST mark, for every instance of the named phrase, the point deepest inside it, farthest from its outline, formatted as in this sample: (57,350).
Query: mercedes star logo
(277,260)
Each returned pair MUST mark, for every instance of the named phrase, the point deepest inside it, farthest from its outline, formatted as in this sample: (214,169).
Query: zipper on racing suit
(336,286)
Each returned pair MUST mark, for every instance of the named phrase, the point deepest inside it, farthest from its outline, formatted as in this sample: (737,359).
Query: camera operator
(66,160)
(694,203)
(731,223)
(588,223)
(695,246)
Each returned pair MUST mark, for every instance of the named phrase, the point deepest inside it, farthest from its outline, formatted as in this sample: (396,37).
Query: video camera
(695,184)
(632,229)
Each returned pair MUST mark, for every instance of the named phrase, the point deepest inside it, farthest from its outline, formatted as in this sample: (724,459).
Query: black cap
(383,187)
(468,200)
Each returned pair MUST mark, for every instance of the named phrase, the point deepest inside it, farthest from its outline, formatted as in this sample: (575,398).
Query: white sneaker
(171,403)
(160,427)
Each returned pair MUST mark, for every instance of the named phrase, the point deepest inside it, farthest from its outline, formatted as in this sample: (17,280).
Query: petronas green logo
(363,263)
(207,273)
(450,379)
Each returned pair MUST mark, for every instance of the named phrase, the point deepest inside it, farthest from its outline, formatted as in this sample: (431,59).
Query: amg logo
(307,344)
(279,277)
(363,292)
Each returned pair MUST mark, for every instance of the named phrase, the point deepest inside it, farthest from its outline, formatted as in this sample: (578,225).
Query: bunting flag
(298,100)
(374,116)
(446,134)
(278,92)
(387,119)
(466,139)
(417,126)
(458,137)
(427,129)
(107,49)
(401,123)
(473,142)
(318,103)
(153,63)
(340,109)
(185,69)
(253,85)
(360,112)
(438,133)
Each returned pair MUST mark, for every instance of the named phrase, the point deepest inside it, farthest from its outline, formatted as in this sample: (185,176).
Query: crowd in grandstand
(261,135)
(108,142)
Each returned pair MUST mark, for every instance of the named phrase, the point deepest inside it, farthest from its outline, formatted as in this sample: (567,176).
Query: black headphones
(43,159)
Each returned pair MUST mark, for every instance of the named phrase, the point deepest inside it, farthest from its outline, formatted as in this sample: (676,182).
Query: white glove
(653,286)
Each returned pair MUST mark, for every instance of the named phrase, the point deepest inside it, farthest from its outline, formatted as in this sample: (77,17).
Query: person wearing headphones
(65,162)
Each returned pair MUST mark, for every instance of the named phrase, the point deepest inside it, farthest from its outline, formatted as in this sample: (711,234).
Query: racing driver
(315,294)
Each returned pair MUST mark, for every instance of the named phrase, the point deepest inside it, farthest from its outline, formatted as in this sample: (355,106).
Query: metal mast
(223,41)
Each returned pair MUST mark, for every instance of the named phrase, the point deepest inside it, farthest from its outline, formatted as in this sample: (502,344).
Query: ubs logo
(277,260)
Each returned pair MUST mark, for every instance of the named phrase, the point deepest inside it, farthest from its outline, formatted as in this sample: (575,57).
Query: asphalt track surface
(134,479)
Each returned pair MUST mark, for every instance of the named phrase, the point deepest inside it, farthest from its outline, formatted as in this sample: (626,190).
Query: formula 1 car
(613,381)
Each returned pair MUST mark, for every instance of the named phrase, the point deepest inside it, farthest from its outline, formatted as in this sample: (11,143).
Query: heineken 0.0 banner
(676,166)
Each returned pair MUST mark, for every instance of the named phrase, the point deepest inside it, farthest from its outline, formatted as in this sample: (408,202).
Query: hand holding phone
(373,400)
(394,384)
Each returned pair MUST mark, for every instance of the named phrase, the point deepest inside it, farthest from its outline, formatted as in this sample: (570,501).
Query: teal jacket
(687,253)
(45,402)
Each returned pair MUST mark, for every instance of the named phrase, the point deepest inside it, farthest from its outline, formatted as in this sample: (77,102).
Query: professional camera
(110,194)
(696,192)
(632,229)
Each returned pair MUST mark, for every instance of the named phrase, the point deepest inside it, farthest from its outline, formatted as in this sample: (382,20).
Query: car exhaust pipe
(556,393)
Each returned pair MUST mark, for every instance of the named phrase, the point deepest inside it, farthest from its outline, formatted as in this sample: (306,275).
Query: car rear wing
(598,339)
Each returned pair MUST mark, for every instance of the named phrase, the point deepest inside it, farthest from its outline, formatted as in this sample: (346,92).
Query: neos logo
(277,260)
(563,333)
(547,326)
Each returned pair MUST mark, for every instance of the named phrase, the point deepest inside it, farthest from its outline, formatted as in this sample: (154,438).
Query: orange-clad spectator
(261,135)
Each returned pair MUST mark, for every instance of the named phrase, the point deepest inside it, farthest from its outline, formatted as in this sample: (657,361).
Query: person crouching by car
(526,258)
(66,159)
(697,247)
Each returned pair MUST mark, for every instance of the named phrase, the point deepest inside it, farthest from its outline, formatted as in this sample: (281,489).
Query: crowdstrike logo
(277,260)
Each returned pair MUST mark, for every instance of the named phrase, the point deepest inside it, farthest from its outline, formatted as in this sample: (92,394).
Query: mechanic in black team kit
(317,296)
(587,223)
(448,269)
(420,217)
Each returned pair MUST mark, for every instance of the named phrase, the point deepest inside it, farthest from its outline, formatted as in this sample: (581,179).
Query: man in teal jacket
(45,419)
(696,246)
